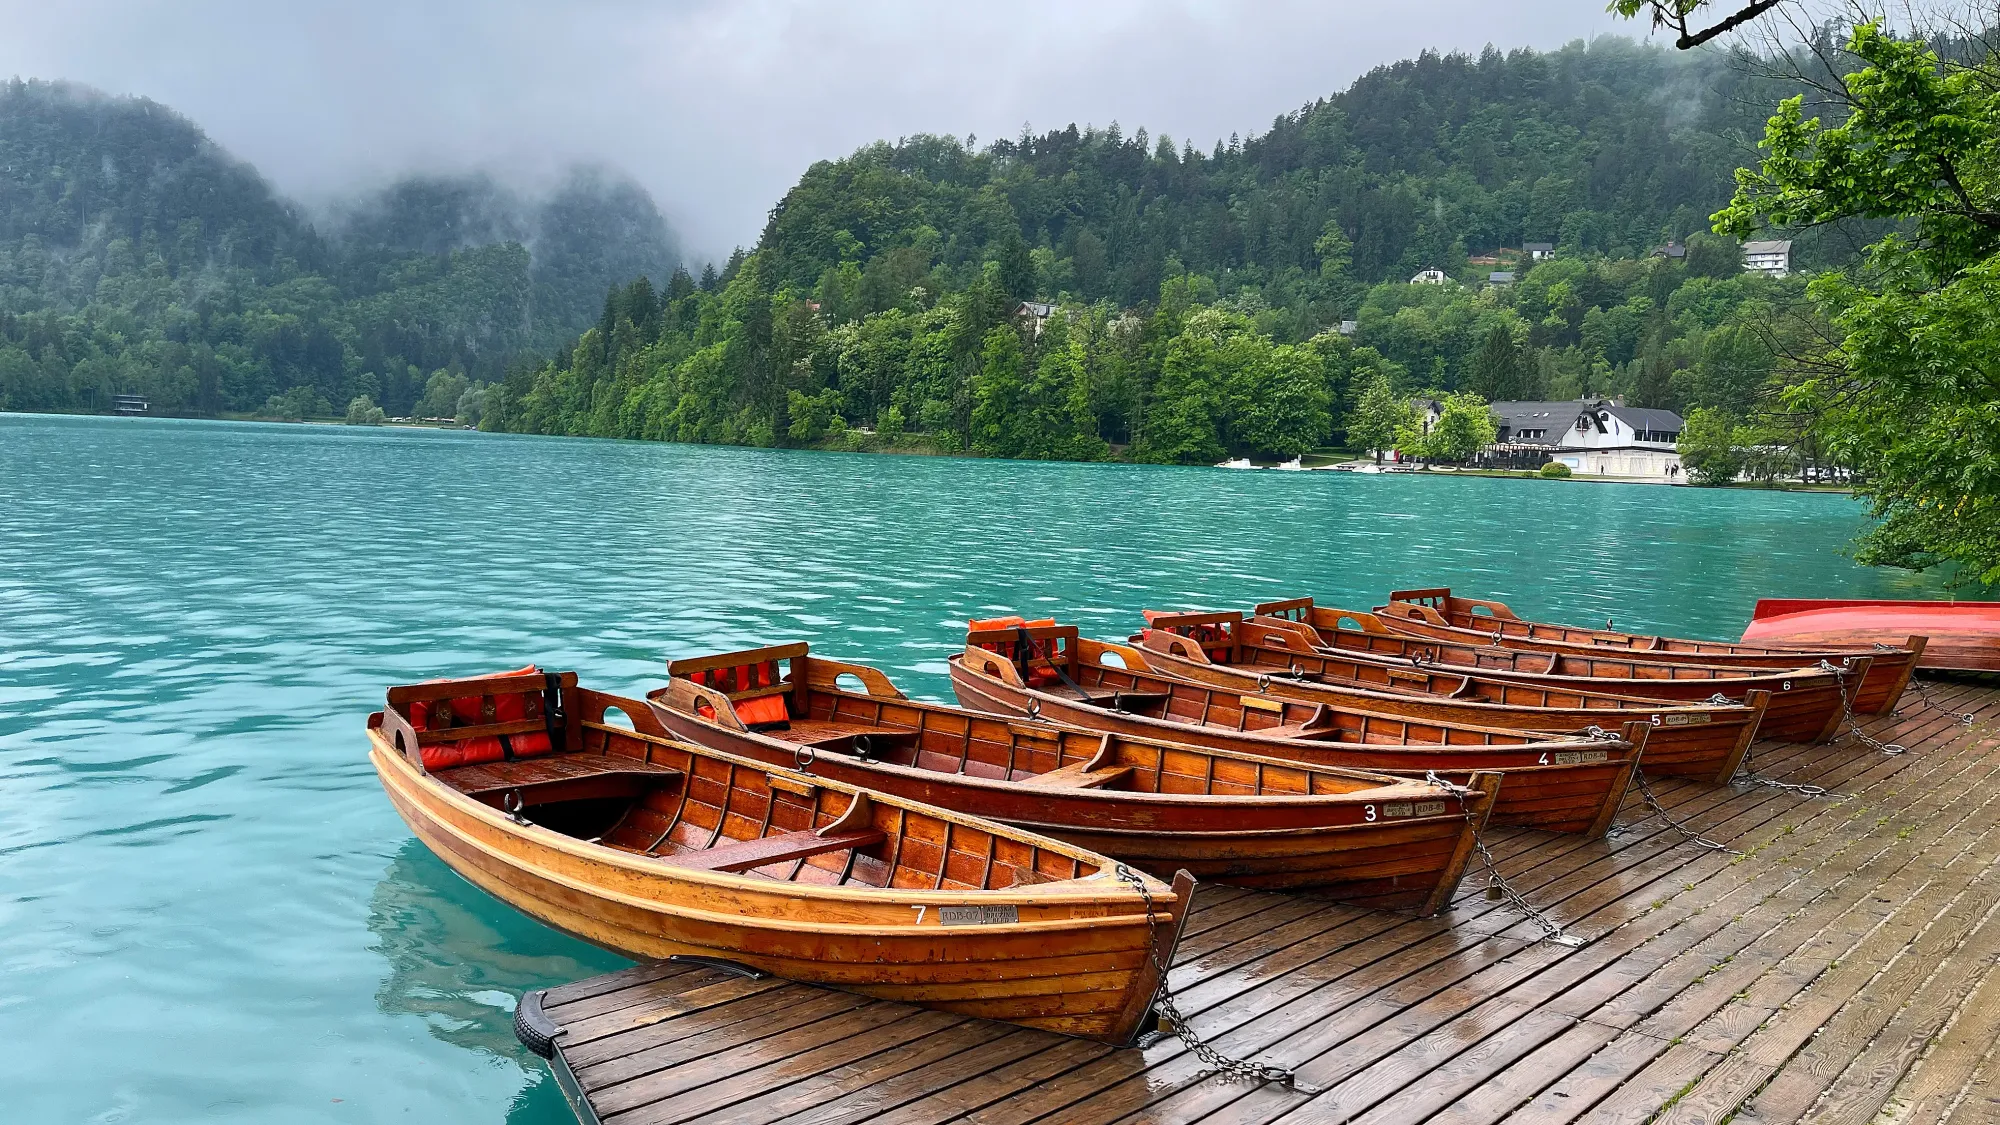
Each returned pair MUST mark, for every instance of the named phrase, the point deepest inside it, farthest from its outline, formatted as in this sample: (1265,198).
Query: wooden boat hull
(1959,636)
(1080,959)
(1881,673)
(1393,845)
(1570,786)
(1703,742)
(1806,705)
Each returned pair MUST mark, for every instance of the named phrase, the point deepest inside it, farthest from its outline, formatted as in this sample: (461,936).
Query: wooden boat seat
(559,777)
(1124,700)
(831,734)
(1078,775)
(743,855)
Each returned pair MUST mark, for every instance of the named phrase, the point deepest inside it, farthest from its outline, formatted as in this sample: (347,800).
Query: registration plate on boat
(978,915)
(1580,757)
(1685,720)
(1420,808)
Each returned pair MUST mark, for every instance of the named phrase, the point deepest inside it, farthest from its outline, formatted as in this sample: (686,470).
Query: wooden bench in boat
(786,847)
(832,734)
(558,777)
(1078,775)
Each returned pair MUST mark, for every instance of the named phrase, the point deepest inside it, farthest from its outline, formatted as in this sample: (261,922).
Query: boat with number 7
(1880,672)
(1048,672)
(1368,838)
(614,831)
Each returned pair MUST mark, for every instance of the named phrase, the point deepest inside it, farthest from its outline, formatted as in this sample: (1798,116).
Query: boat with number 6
(1048,672)
(624,836)
(1880,672)
(1705,741)
(1368,838)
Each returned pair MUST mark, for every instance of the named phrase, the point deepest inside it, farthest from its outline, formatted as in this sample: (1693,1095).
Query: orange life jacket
(470,710)
(1035,677)
(765,710)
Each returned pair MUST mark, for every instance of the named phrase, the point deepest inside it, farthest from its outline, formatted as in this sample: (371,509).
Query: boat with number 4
(1367,838)
(1048,672)
(622,835)
(1881,672)
(1807,704)
(1704,741)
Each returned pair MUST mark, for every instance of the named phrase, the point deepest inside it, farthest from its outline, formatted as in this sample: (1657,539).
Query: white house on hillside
(1772,259)
(1594,437)
(1429,277)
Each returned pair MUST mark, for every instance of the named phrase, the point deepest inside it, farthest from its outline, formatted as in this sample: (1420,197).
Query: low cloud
(717,107)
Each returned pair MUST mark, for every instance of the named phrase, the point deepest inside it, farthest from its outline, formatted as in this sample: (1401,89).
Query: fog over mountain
(716,108)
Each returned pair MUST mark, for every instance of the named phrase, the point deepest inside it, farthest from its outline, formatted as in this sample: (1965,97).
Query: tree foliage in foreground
(1908,388)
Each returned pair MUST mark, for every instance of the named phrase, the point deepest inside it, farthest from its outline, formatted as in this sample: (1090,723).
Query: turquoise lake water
(208,909)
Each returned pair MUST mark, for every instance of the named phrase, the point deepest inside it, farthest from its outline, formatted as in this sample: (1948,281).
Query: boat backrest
(463,721)
(1214,631)
(1042,652)
(1297,609)
(1277,632)
(1440,600)
(750,681)
(1173,644)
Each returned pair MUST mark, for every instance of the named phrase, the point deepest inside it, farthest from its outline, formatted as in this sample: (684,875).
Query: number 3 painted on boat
(1368,812)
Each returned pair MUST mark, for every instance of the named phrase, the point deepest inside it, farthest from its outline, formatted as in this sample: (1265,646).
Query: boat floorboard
(1837,963)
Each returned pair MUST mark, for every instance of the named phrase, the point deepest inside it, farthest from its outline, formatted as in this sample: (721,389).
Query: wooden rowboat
(652,847)
(1047,672)
(1959,636)
(1807,705)
(1436,613)
(1368,838)
(1704,741)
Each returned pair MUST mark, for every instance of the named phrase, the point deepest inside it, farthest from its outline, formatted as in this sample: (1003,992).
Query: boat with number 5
(1368,838)
(614,831)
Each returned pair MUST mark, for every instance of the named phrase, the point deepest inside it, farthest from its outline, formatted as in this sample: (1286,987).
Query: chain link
(1229,1067)
(1748,775)
(1693,837)
(1551,929)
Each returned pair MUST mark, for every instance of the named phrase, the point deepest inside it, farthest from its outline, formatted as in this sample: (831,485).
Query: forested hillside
(137,257)
(1198,293)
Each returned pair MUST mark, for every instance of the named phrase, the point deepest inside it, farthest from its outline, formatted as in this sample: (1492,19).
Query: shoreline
(920,445)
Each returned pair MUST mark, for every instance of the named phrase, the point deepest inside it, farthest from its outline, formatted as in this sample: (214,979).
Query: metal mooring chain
(1693,837)
(1225,1065)
(1854,724)
(1551,929)
(1748,775)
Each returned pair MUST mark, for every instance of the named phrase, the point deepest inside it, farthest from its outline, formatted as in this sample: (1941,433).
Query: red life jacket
(470,710)
(1035,677)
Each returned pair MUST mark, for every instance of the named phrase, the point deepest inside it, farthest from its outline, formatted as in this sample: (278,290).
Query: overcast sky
(717,107)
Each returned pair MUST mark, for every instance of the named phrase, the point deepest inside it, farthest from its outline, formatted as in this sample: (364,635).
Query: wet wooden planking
(1838,963)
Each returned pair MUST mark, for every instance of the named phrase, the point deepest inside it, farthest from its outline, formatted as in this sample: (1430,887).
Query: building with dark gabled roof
(1594,437)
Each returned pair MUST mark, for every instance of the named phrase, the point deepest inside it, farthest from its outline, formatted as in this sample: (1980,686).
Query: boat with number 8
(626,837)
(1368,838)
(1048,672)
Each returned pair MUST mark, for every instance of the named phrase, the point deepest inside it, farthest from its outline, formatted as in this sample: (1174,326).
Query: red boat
(1964,636)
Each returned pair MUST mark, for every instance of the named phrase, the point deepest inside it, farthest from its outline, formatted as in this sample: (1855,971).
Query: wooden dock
(1837,964)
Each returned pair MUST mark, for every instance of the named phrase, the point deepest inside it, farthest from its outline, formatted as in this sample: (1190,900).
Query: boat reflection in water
(458,959)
